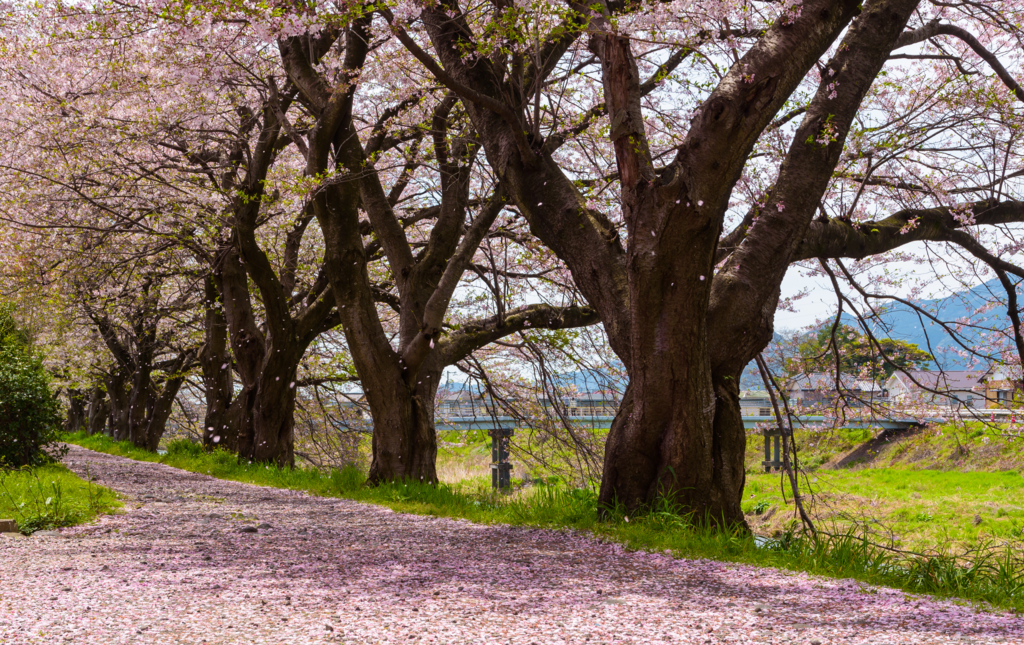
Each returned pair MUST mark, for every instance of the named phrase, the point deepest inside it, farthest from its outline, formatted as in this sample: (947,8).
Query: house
(453,403)
(462,403)
(1001,389)
(944,388)
(756,403)
(816,390)
(600,403)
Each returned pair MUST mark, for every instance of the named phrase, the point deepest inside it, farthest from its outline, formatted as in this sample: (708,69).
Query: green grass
(913,509)
(965,447)
(950,487)
(50,497)
(993,575)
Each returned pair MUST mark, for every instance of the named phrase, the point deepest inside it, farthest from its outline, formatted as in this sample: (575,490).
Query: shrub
(185,448)
(348,479)
(30,419)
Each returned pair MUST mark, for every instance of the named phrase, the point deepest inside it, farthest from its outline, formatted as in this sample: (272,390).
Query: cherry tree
(763,129)
(213,142)
(131,150)
(425,266)
(119,333)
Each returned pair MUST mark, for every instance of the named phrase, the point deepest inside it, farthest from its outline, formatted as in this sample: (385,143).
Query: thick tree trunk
(711,488)
(119,406)
(404,437)
(76,418)
(248,348)
(238,423)
(99,411)
(728,453)
(217,375)
(218,429)
(665,449)
(161,412)
(273,424)
(140,404)
(259,422)
(616,468)
(261,416)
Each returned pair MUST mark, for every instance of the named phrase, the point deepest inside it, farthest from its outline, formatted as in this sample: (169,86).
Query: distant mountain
(977,316)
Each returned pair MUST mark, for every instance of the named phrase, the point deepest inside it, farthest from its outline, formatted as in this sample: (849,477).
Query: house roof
(453,396)
(868,386)
(1004,373)
(826,382)
(942,379)
(599,395)
(822,381)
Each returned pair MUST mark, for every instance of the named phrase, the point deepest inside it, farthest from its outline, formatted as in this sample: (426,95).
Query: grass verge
(50,497)
(912,509)
(993,575)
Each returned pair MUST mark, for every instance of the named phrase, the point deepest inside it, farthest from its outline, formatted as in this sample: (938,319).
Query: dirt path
(174,568)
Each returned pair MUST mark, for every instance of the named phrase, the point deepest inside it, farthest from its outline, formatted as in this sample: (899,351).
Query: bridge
(751,422)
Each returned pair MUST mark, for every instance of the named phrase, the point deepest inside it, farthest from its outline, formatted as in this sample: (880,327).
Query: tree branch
(934,28)
(474,335)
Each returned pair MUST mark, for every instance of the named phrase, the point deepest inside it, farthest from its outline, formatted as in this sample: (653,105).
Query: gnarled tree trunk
(99,411)
(404,438)
(261,416)
(118,405)
(141,398)
(217,374)
(156,423)
(683,341)
(272,437)
(76,418)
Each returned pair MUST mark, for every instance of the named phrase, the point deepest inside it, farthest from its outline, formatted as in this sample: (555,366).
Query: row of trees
(282,195)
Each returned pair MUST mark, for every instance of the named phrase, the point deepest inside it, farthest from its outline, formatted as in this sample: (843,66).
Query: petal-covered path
(175,568)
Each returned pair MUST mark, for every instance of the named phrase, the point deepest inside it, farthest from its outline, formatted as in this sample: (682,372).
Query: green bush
(184,447)
(348,479)
(30,419)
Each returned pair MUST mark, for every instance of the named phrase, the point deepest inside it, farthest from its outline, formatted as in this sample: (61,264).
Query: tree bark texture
(258,421)
(118,393)
(404,439)
(99,411)
(215,362)
(76,418)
